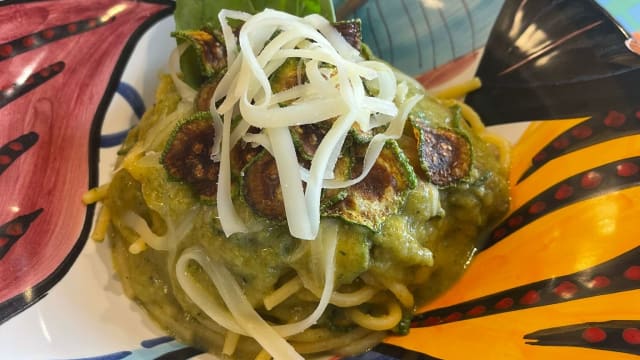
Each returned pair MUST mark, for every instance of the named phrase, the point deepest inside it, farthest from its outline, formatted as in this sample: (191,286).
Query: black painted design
(385,26)
(391,352)
(621,273)
(610,177)
(471,25)
(34,80)
(12,231)
(449,35)
(431,37)
(407,13)
(586,66)
(615,335)
(43,37)
(600,128)
(373,32)
(180,354)
(12,150)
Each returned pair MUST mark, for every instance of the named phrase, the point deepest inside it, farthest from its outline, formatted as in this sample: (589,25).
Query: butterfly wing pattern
(60,63)
(560,275)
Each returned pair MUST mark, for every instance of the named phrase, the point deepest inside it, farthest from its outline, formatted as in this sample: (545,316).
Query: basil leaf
(194,14)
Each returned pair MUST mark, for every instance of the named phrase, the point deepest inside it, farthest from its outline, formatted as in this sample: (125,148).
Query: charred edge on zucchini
(444,154)
(261,187)
(360,136)
(242,154)
(205,93)
(351,31)
(307,138)
(342,171)
(209,48)
(186,156)
(381,193)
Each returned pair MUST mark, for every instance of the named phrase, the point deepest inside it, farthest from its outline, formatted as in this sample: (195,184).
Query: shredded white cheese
(265,41)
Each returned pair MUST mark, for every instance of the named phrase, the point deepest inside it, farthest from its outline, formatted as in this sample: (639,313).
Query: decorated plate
(559,276)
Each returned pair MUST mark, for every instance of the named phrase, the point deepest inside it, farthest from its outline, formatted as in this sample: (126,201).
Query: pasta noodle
(282,293)
(378,323)
(230,343)
(95,194)
(459,90)
(102,224)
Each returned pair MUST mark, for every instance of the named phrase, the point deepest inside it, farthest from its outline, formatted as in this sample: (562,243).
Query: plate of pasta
(319,179)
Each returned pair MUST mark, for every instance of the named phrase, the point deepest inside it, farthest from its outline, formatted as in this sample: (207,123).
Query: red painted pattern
(627,169)
(594,335)
(61,111)
(591,180)
(615,119)
(530,298)
(631,336)
(566,289)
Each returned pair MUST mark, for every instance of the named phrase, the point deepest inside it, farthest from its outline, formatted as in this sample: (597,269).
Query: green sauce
(426,245)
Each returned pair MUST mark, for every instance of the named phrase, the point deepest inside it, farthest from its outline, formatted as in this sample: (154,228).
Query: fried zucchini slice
(261,190)
(445,155)
(360,136)
(351,30)
(342,171)
(205,93)
(261,187)
(186,156)
(210,50)
(241,155)
(381,193)
(288,75)
(307,138)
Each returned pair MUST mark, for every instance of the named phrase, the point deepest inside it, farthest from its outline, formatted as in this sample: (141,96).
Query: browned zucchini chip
(307,138)
(342,171)
(205,93)
(351,30)
(381,193)
(210,51)
(241,154)
(360,136)
(444,154)
(261,187)
(186,156)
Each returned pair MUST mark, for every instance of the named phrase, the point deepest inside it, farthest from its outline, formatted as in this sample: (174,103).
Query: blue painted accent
(625,12)
(443,24)
(371,355)
(115,356)
(115,139)
(151,349)
(154,342)
(132,96)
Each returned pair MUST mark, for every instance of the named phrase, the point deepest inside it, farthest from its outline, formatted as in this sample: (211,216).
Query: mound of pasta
(304,199)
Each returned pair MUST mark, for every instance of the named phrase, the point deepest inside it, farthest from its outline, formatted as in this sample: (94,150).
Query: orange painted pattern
(571,239)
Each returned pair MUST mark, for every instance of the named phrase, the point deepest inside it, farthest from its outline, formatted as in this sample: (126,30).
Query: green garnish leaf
(196,14)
